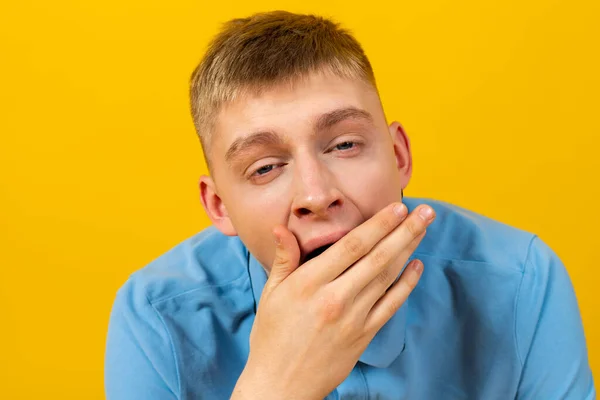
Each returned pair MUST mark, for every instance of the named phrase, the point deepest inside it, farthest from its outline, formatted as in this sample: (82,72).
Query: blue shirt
(494,316)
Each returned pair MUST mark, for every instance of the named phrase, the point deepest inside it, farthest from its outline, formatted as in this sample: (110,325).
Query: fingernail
(426,213)
(277,239)
(417,266)
(400,209)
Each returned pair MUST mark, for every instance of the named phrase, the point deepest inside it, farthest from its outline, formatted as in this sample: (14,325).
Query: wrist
(251,387)
(257,383)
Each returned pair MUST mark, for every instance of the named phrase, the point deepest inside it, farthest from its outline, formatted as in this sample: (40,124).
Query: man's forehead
(301,105)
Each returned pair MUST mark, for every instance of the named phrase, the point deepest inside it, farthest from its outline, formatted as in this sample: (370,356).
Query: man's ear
(402,152)
(214,206)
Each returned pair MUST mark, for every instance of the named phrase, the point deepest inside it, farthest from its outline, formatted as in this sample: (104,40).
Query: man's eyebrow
(261,138)
(266,138)
(331,118)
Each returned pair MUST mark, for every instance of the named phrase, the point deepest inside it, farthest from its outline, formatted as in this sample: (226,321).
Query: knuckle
(385,224)
(413,227)
(348,329)
(330,308)
(279,259)
(306,287)
(354,245)
(393,306)
(384,277)
(408,283)
(380,257)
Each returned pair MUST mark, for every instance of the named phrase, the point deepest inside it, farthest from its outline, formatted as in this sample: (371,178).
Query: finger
(353,246)
(401,242)
(395,297)
(365,300)
(287,257)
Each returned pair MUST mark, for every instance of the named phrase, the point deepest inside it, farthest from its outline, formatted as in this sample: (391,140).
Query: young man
(301,288)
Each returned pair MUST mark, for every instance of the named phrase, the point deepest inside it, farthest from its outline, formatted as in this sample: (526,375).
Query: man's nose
(316,192)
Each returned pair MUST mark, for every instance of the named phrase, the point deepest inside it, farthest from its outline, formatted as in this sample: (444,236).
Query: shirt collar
(385,347)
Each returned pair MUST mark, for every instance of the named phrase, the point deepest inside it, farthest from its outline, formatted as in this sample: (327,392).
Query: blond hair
(255,53)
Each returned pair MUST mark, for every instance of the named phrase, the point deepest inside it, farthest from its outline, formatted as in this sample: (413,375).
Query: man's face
(317,157)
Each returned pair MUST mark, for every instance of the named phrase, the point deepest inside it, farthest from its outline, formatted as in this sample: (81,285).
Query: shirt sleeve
(549,332)
(139,361)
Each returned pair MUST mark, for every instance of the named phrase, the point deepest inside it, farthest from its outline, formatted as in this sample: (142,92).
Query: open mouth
(316,252)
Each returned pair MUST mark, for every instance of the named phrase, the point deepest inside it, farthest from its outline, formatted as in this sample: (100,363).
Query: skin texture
(295,168)
(313,190)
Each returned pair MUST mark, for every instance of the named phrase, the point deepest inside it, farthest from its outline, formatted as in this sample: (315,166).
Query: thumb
(287,256)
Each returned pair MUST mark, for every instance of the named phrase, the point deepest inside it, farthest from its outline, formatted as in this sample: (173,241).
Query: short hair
(252,54)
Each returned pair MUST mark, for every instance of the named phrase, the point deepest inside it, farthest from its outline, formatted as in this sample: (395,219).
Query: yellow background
(99,162)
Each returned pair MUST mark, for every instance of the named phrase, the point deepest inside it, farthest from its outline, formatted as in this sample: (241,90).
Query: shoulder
(161,323)
(459,234)
(203,262)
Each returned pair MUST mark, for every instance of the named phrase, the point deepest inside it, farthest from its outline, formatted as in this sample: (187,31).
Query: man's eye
(264,170)
(345,146)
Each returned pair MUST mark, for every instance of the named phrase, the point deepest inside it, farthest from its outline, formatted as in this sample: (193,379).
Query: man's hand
(314,322)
